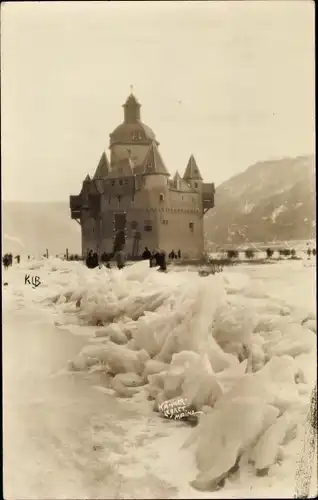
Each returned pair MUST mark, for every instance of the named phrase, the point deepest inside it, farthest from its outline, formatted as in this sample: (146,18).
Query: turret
(154,168)
(177,181)
(192,174)
(103,168)
(131,110)
(153,163)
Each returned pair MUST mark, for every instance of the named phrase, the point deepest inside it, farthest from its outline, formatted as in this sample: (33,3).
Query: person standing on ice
(120,259)
(5,261)
(88,260)
(104,258)
(161,261)
(146,255)
(92,260)
(155,258)
(95,259)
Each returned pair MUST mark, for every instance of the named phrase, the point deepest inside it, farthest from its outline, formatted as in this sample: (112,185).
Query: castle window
(195,184)
(191,226)
(120,170)
(134,224)
(121,182)
(119,199)
(161,197)
(113,183)
(148,226)
(164,222)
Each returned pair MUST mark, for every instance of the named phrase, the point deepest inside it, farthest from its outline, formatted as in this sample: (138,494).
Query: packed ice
(243,356)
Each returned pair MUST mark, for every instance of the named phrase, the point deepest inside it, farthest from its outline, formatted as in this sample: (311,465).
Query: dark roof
(192,170)
(126,131)
(131,100)
(122,168)
(87,178)
(153,163)
(103,168)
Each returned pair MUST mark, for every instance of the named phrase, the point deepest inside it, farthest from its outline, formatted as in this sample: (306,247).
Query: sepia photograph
(159,317)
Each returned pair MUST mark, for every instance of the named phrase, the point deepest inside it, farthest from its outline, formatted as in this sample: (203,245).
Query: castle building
(132,200)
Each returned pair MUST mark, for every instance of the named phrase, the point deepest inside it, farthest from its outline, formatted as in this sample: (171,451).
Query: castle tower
(177,181)
(192,174)
(103,168)
(154,169)
(131,110)
(130,201)
(130,141)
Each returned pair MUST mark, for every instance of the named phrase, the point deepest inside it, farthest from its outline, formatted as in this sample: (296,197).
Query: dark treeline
(270,253)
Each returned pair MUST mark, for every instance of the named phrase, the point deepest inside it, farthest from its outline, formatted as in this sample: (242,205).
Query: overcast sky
(232,83)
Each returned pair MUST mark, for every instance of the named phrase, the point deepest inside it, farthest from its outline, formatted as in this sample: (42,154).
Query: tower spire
(131,89)
(131,109)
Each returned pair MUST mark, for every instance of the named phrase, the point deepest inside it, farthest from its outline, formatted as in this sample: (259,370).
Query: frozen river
(64,438)
(67,437)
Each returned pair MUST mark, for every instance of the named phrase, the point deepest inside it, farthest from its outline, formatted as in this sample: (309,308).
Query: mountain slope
(30,228)
(272,200)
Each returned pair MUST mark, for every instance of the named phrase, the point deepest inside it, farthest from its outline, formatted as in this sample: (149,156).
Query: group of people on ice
(156,258)
(92,259)
(149,255)
(7,260)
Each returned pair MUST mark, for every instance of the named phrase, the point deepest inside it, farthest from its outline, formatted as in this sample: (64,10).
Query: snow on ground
(89,355)
(248,207)
(277,211)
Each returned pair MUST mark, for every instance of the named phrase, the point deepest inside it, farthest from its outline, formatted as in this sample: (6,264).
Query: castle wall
(156,183)
(181,224)
(139,217)
(176,234)
(89,234)
(175,218)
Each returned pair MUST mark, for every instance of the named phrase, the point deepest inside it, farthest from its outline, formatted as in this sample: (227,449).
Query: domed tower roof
(132,130)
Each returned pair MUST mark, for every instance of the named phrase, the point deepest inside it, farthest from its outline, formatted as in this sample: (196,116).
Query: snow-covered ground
(79,397)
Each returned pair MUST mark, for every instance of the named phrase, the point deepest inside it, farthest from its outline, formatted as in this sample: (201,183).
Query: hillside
(270,201)
(30,228)
(273,200)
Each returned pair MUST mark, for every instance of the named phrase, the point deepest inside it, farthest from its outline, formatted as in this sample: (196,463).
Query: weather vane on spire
(131,89)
